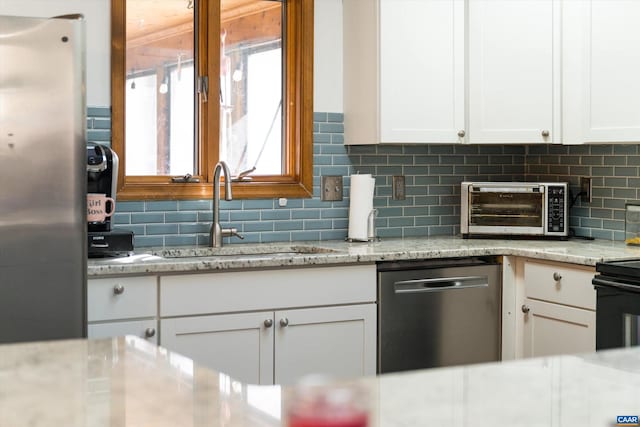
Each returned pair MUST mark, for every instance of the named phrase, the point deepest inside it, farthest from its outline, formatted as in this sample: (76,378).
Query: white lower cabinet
(146,329)
(551,329)
(555,308)
(240,345)
(337,341)
(274,326)
(123,306)
(279,347)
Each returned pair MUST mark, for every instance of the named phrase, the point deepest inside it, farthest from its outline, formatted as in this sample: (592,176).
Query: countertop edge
(343,253)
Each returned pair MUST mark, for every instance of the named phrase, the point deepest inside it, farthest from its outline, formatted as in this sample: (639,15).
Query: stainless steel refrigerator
(43,178)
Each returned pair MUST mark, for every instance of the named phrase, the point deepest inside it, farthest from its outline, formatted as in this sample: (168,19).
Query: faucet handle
(231,232)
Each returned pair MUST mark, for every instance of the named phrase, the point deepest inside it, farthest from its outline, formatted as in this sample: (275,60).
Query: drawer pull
(149,332)
(284,322)
(525,309)
(268,323)
(118,289)
(557,276)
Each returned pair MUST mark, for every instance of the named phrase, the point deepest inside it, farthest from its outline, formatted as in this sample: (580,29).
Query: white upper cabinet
(491,71)
(451,71)
(513,71)
(404,71)
(421,70)
(601,65)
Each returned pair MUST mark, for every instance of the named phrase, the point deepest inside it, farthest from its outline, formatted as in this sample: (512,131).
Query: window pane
(160,88)
(182,158)
(251,87)
(141,125)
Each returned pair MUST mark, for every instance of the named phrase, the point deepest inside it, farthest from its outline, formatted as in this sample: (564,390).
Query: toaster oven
(514,209)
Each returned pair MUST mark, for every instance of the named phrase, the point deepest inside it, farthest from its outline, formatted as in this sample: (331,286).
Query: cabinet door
(513,64)
(337,341)
(421,70)
(600,67)
(145,329)
(240,345)
(551,329)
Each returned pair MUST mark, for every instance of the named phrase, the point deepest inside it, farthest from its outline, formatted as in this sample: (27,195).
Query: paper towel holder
(371,225)
(371,228)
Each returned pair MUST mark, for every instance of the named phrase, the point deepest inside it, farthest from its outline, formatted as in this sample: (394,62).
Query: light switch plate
(398,190)
(331,188)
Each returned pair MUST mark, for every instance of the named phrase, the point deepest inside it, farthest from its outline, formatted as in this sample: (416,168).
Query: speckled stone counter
(128,382)
(192,259)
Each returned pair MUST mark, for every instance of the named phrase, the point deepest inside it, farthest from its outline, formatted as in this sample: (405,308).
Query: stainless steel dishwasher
(439,312)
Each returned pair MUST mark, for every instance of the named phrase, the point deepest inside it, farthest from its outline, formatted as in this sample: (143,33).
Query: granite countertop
(242,256)
(128,382)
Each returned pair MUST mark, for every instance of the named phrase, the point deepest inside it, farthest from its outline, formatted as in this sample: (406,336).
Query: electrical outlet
(585,189)
(331,188)
(398,189)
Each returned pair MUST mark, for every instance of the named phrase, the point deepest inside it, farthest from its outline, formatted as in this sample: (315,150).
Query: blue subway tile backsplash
(432,177)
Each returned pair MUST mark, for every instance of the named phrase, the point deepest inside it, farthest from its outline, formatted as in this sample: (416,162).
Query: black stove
(618,304)
(624,273)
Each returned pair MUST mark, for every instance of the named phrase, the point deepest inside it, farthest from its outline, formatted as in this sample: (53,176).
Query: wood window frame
(297,182)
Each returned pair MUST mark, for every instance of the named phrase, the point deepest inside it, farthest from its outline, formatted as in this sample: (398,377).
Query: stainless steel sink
(243,250)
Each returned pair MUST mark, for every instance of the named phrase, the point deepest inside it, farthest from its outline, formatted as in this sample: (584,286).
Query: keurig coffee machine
(102,179)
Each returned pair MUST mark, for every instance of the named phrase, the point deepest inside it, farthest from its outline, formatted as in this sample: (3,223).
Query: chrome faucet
(217,232)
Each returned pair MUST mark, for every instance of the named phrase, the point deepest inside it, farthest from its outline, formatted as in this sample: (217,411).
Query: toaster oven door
(507,211)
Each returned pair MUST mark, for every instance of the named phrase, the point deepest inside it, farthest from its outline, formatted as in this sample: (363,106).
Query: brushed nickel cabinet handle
(118,289)
(545,133)
(284,322)
(149,332)
(525,309)
(268,323)
(557,276)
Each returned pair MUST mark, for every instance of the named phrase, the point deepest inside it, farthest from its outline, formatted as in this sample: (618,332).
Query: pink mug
(97,207)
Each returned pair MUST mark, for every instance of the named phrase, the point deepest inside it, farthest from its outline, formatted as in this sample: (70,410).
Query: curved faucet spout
(216,230)
(220,167)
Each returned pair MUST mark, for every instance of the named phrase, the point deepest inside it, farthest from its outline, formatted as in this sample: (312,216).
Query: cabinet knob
(461,133)
(284,322)
(118,289)
(545,133)
(557,276)
(525,309)
(268,323)
(149,332)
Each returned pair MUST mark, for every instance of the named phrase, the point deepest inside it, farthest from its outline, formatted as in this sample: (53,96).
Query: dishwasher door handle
(440,284)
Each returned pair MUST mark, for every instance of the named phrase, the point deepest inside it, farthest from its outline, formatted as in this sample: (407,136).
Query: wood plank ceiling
(146,17)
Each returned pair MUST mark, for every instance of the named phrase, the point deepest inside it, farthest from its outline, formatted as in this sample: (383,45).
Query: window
(198,81)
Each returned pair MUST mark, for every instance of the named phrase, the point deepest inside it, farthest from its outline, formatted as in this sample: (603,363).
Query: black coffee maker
(102,178)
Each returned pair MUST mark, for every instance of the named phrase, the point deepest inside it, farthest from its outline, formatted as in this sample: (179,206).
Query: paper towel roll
(360,205)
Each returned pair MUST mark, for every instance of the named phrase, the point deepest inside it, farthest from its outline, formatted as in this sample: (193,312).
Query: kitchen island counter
(129,382)
(274,255)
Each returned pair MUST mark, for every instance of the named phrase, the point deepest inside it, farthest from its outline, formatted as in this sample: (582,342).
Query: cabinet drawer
(255,290)
(145,329)
(122,298)
(560,284)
